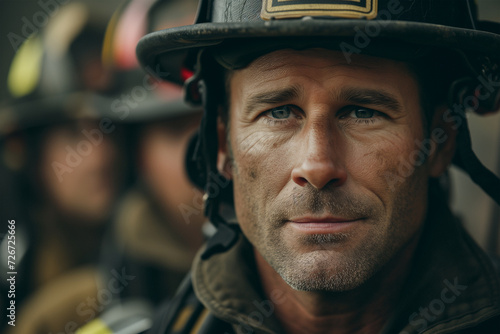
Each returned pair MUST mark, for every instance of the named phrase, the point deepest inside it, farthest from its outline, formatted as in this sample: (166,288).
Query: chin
(336,267)
(324,272)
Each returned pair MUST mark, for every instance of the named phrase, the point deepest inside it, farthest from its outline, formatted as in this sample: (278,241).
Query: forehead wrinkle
(313,57)
(282,65)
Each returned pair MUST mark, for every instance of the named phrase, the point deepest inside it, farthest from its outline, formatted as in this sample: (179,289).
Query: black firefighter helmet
(446,35)
(56,76)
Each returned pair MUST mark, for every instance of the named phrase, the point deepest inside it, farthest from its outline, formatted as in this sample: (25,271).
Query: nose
(102,155)
(321,159)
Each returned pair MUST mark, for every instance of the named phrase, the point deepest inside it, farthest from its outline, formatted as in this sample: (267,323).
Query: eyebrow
(373,97)
(272,97)
(353,95)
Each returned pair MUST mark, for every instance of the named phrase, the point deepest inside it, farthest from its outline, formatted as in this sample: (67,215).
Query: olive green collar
(452,278)
(229,286)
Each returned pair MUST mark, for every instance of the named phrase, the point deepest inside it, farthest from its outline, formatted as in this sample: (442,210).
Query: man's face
(313,142)
(162,152)
(85,194)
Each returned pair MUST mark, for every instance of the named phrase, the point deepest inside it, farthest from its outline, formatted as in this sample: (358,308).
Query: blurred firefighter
(159,224)
(59,152)
(157,228)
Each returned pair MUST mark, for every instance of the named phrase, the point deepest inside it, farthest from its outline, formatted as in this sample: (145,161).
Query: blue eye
(281,112)
(363,113)
(360,115)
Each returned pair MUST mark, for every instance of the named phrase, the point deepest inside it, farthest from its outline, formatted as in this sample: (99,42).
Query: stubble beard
(318,271)
(330,270)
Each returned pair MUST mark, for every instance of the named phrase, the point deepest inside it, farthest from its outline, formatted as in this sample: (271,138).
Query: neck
(364,309)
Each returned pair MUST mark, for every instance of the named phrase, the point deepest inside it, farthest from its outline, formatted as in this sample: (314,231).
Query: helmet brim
(50,110)
(164,53)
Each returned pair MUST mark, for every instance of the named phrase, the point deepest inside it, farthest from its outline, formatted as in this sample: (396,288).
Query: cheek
(60,192)
(383,162)
(163,165)
(164,171)
(262,170)
(263,159)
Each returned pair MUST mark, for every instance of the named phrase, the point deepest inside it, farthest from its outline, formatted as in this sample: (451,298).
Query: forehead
(322,76)
(289,62)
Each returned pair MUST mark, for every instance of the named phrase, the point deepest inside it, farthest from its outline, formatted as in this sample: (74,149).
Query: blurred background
(11,21)
(92,154)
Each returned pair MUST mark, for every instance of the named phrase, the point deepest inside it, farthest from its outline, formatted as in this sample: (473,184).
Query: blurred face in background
(162,148)
(84,184)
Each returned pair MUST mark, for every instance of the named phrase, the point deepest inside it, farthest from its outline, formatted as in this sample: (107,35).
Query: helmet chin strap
(206,155)
(465,158)
(469,162)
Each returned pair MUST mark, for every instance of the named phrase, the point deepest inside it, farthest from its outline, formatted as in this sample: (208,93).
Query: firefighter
(60,152)
(159,223)
(336,122)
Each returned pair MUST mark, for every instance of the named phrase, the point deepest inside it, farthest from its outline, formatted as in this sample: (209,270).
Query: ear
(443,135)
(224,161)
